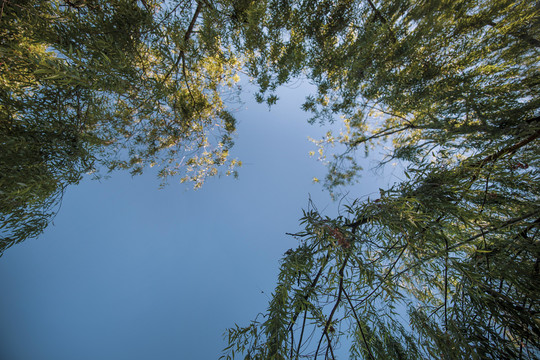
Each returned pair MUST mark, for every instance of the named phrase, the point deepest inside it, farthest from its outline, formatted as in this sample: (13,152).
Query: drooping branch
(483,232)
(522,35)
(446,284)
(359,324)
(336,305)
(512,148)
(384,278)
(310,289)
(301,335)
(385,132)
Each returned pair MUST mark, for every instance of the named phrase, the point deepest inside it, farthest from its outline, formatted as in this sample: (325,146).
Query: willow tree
(446,263)
(103,85)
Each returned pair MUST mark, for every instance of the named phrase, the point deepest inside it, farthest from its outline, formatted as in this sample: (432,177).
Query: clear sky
(129,271)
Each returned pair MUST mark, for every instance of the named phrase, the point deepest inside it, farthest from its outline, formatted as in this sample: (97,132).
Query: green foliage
(467,273)
(452,87)
(98,85)
(426,75)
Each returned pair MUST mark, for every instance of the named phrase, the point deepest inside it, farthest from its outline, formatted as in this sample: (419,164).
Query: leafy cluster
(441,76)
(453,87)
(104,85)
(459,256)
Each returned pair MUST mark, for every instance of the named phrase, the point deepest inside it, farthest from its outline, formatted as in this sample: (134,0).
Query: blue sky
(130,271)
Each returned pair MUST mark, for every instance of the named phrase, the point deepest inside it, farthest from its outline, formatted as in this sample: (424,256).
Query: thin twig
(359,325)
(292,342)
(384,278)
(386,132)
(330,346)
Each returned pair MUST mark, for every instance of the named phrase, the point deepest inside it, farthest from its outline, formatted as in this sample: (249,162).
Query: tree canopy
(93,85)
(444,264)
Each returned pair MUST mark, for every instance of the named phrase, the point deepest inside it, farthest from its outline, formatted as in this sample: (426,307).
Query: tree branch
(524,36)
(383,20)
(386,132)
(510,149)
(301,335)
(384,278)
(187,35)
(310,288)
(338,301)
(446,285)
(483,232)
(359,324)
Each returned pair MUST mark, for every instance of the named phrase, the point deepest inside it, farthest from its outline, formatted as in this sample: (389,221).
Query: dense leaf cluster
(95,85)
(452,87)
